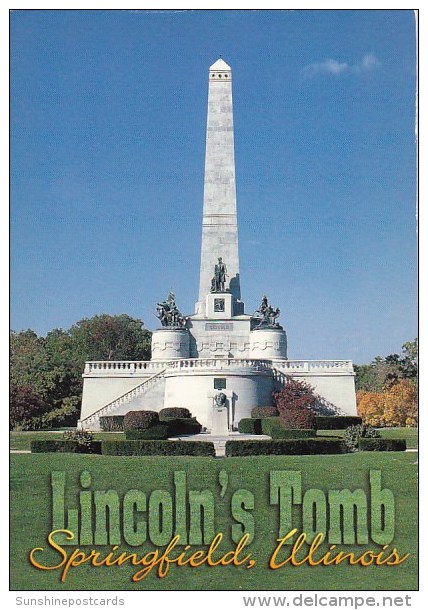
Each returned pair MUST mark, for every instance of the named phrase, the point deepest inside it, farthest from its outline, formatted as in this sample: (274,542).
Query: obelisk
(219,222)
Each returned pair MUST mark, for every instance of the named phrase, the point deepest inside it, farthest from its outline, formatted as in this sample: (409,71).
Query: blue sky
(108,115)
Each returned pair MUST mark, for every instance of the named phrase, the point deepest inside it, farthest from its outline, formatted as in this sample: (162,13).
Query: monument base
(114,388)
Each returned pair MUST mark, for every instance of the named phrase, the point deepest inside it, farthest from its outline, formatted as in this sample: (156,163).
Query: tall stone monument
(219,219)
(219,362)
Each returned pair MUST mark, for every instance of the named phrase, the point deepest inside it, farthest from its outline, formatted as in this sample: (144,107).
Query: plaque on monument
(219,383)
(213,326)
(218,305)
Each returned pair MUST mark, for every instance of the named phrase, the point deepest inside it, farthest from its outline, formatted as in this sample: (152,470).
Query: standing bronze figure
(219,280)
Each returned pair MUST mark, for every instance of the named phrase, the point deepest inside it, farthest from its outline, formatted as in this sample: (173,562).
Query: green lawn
(31,521)
(409,434)
(21,440)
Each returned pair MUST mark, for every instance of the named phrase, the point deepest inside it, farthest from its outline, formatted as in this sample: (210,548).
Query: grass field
(31,519)
(409,434)
(21,440)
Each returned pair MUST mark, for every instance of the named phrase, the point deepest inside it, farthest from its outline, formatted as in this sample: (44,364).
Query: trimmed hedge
(140,420)
(262,412)
(59,446)
(382,444)
(157,448)
(272,427)
(155,433)
(337,422)
(301,446)
(173,413)
(247,425)
(183,425)
(112,423)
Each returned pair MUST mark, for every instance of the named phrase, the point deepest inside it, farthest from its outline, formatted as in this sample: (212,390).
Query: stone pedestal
(170,343)
(219,305)
(268,343)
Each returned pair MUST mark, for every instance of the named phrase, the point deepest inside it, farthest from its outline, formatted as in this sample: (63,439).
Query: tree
(382,373)
(26,407)
(371,407)
(295,402)
(401,407)
(106,337)
(49,369)
(29,366)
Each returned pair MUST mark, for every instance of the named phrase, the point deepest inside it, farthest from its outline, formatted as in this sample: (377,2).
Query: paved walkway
(220,441)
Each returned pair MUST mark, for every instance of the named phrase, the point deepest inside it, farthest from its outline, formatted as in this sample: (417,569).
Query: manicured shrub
(273,428)
(337,422)
(382,444)
(140,420)
(80,437)
(154,433)
(263,412)
(269,424)
(354,433)
(173,413)
(298,446)
(112,423)
(144,447)
(248,425)
(64,446)
(183,425)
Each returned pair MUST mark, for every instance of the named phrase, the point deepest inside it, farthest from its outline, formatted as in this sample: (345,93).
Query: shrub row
(337,422)
(247,425)
(302,446)
(173,413)
(165,429)
(154,433)
(140,420)
(182,425)
(292,446)
(272,427)
(261,412)
(153,447)
(179,421)
(112,423)
(382,444)
(59,446)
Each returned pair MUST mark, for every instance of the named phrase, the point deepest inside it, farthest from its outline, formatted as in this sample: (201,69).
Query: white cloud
(332,66)
(369,62)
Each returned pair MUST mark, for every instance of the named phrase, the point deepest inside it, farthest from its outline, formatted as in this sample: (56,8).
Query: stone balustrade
(313,366)
(123,367)
(148,367)
(220,363)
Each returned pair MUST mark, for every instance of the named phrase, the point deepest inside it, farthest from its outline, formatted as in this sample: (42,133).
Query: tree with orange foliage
(401,404)
(371,407)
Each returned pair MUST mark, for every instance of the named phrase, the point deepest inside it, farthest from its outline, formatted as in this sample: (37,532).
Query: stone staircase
(92,421)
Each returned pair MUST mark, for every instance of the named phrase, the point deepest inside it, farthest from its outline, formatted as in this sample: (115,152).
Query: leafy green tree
(29,365)
(46,372)
(106,337)
(383,373)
